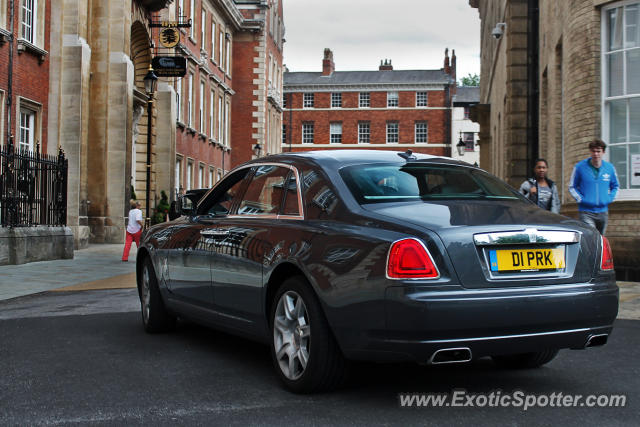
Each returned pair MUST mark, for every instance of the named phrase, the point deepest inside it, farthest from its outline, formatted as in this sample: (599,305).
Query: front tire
(305,354)
(525,360)
(155,316)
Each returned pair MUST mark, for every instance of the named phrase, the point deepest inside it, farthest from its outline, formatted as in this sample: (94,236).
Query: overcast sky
(412,33)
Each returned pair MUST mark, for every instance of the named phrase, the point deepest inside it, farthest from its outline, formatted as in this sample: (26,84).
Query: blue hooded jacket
(593,193)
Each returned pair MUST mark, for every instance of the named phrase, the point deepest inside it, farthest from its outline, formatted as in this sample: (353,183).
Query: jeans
(595,219)
(131,237)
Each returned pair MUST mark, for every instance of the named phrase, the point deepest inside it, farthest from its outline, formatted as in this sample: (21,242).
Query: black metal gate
(33,188)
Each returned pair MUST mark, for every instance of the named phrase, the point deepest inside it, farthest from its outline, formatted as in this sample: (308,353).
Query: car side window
(265,191)
(291,197)
(221,200)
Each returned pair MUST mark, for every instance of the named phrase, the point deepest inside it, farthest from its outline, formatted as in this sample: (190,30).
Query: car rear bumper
(421,321)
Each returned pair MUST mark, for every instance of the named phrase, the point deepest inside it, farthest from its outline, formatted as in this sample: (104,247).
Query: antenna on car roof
(408,155)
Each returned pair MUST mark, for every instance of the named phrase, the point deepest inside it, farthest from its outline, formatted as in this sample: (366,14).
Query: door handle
(215,233)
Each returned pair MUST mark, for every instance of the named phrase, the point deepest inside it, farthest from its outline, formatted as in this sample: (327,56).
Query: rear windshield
(401,182)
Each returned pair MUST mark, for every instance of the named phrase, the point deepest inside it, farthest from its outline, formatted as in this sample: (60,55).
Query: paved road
(83,358)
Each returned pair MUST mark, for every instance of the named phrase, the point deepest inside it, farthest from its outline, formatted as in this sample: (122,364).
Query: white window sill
(26,46)
(5,36)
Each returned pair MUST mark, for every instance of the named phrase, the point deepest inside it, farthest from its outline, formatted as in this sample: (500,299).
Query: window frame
(607,101)
(389,133)
(393,99)
(35,108)
(30,130)
(178,172)
(334,136)
(416,132)
(419,100)
(336,99)
(364,97)
(32,25)
(367,133)
(305,132)
(308,100)
(249,171)
(190,101)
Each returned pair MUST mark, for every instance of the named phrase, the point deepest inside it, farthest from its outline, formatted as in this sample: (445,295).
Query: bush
(161,210)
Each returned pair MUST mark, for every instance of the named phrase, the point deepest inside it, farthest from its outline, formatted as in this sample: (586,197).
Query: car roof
(349,157)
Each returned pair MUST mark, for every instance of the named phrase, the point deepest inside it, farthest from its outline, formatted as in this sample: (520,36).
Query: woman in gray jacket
(540,189)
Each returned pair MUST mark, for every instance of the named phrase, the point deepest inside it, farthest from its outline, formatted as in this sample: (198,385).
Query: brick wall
(243,109)
(30,79)
(436,115)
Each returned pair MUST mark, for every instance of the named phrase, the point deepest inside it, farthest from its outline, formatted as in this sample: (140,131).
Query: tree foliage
(470,80)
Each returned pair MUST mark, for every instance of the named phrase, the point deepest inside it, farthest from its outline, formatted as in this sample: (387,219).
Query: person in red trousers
(134,229)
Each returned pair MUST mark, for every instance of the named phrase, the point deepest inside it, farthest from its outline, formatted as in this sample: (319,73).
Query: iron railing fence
(33,188)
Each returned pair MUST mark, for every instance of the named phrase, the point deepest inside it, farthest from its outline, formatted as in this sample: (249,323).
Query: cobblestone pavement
(100,267)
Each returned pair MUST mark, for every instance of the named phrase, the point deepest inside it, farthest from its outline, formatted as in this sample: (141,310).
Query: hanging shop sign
(169,37)
(169,66)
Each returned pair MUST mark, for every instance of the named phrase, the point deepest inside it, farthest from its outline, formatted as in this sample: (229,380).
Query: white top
(135,215)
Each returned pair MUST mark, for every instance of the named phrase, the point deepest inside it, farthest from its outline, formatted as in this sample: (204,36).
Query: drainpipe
(533,59)
(289,136)
(10,75)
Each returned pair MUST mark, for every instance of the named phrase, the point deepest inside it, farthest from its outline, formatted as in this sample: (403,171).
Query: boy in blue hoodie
(594,185)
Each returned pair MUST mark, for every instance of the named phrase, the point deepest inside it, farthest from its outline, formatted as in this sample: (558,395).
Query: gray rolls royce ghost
(334,256)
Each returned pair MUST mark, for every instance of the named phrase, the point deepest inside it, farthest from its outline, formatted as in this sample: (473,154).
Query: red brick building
(24,72)
(257,66)
(225,108)
(385,109)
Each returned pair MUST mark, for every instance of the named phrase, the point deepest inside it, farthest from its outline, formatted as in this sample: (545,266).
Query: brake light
(606,258)
(410,259)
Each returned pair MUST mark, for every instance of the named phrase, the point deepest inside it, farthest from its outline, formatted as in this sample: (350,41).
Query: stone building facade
(385,109)
(99,55)
(24,73)
(559,75)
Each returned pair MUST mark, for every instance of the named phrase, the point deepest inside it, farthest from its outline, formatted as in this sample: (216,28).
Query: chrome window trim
(298,190)
(526,237)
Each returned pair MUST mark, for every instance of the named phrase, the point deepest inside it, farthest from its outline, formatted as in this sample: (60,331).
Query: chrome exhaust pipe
(596,340)
(451,355)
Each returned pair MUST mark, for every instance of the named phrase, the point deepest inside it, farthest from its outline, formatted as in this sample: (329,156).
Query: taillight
(606,259)
(410,259)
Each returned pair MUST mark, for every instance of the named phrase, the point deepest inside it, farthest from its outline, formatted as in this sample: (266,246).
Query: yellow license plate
(526,259)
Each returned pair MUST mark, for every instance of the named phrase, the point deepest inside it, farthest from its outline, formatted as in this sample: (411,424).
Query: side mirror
(185,206)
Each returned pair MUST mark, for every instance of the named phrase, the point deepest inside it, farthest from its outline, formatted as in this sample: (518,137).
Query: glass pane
(265,192)
(634,120)
(614,73)
(631,24)
(634,159)
(615,29)
(618,156)
(617,121)
(633,71)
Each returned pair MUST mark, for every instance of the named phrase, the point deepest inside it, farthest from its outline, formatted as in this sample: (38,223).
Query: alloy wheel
(146,295)
(291,335)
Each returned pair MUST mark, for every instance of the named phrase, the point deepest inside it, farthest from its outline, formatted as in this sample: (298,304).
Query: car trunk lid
(494,243)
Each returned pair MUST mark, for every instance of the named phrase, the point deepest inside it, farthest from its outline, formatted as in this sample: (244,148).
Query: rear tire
(525,360)
(155,316)
(305,353)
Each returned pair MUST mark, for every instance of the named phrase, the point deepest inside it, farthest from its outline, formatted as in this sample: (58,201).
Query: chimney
(453,65)
(385,65)
(447,68)
(328,67)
